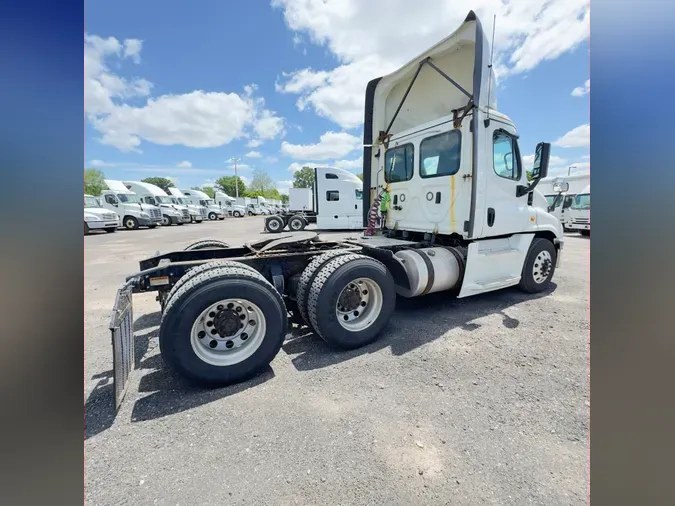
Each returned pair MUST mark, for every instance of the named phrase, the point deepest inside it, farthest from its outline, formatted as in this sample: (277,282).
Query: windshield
(210,202)
(174,200)
(163,200)
(554,200)
(582,201)
(129,197)
(91,202)
(183,201)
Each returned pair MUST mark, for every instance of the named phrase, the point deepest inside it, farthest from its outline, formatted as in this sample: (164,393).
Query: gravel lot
(473,401)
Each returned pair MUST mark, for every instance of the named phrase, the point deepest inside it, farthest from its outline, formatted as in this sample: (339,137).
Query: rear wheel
(351,301)
(223,326)
(307,278)
(274,224)
(207,243)
(130,223)
(539,266)
(213,216)
(297,223)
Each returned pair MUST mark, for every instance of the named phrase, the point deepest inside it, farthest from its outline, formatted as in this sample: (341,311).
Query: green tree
(303,178)
(360,176)
(227,184)
(93,182)
(284,198)
(163,182)
(261,183)
(528,173)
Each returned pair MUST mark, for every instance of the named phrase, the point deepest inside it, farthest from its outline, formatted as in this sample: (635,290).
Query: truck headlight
(90,218)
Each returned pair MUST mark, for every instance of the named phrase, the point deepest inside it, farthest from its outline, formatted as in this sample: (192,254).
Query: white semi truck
(198,197)
(132,211)
(96,217)
(334,203)
(580,212)
(197,213)
(560,201)
(172,213)
(464,219)
(229,204)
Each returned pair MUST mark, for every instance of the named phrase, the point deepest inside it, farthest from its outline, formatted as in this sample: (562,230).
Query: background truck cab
(131,210)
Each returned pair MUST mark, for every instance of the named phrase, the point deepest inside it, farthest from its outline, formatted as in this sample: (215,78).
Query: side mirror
(542,155)
(561,187)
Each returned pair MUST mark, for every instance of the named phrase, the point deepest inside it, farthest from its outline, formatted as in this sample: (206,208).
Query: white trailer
(132,211)
(300,199)
(464,219)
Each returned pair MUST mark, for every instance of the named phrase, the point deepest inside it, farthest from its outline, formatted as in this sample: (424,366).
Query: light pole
(570,168)
(236,178)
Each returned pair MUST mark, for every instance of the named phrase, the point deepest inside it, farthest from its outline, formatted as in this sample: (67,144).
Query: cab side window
(440,154)
(398,163)
(110,199)
(332,196)
(506,156)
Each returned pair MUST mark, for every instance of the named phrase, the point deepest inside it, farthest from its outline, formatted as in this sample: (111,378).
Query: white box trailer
(300,199)
(464,219)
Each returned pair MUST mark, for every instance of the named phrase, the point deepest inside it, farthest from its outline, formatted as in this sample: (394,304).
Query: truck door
(430,179)
(332,212)
(501,172)
(110,202)
(356,211)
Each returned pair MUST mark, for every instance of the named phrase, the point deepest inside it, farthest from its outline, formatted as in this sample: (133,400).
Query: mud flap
(122,333)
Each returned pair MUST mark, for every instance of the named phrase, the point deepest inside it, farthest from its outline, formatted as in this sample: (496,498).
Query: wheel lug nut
(220,307)
(356,313)
(251,323)
(346,317)
(244,336)
(213,343)
(365,292)
(230,306)
(229,344)
(201,334)
(212,314)
(238,310)
(242,317)
(209,324)
(363,303)
(214,331)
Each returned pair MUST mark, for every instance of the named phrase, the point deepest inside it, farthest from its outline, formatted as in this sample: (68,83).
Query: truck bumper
(577,227)
(100,225)
(196,218)
(144,222)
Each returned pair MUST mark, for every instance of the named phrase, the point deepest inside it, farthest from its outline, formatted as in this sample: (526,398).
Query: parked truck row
(464,219)
(135,204)
(561,194)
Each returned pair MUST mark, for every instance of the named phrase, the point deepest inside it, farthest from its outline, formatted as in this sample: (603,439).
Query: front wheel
(236,214)
(539,266)
(351,300)
(166,221)
(130,223)
(223,326)
(213,216)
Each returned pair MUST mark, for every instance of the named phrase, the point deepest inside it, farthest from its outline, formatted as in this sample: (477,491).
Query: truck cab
(172,212)
(229,204)
(338,199)
(580,213)
(198,197)
(96,217)
(132,211)
(197,213)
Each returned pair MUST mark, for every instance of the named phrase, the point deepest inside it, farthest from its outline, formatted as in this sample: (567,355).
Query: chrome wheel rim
(130,223)
(296,224)
(165,221)
(543,264)
(359,304)
(274,224)
(228,332)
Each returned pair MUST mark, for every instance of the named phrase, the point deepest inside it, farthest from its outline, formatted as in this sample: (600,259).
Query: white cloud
(184,164)
(580,91)
(579,137)
(331,145)
(349,164)
(283,186)
(240,166)
(271,159)
(254,143)
(197,119)
(253,154)
(101,163)
(553,161)
(361,37)
(573,168)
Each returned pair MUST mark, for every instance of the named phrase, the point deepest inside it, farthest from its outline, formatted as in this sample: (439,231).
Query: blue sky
(176,89)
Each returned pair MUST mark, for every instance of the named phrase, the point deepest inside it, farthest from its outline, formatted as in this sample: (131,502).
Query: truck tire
(207,243)
(111,230)
(351,301)
(195,271)
(86,229)
(539,266)
(236,214)
(223,326)
(297,223)
(307,278)
(152,225)
(274,224)
(180,222)
(131,223)
(213,216)
(166,220)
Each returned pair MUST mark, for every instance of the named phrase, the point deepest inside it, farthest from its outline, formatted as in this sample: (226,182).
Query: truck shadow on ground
(429,317)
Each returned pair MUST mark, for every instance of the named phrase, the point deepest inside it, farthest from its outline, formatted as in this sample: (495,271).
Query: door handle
(438,197)
(490,217)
